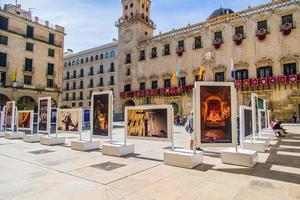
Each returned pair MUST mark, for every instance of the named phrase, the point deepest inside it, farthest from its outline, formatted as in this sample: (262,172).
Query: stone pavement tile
(131,184)
(137,197)
(294,191)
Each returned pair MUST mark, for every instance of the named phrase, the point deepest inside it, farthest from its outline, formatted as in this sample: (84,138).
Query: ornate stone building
(88,71)
(31,55)
(262,41)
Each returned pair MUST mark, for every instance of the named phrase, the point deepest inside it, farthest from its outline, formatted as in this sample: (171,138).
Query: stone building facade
(92,70)
(262,41)
(32,50)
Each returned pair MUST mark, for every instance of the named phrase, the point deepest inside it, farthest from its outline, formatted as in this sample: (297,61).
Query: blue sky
(90,23)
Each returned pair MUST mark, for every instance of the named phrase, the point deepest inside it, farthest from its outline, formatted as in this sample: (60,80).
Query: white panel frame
(110,115)
(197,113)
(169,109)
(242,123)
(48,116)
(13,119)
(31,121)
(79,110)
(254,118)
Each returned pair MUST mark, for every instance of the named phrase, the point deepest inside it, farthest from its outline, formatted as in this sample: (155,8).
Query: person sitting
(276,126)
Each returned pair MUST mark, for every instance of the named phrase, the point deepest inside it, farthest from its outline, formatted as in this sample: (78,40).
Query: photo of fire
(216,125)
(68,120)
(100,115)
(24,120)
(147,123)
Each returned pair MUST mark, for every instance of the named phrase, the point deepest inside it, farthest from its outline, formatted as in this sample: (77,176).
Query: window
(101,56)
(2,78)
(287,19)
(239,30)
(197,44)
(73,104)
(197,77)
(128,72)
(220,76)
(81,73)
(131,5)
(263,72)
(3,23)
(50,83)
(80,103)
(126,7)
(66,64)
(81,85)
(91,71)
(81,95)
(154,85)
(27,80)
(69,63)
(241,74)
(51,53)
(154,52)
(181,44)
(50,69)
(142,55)
(91,83)
(112,80)
(112,54)
(73,62)
(112,67)
(67,97)
(92,59)
(96,57)
(289,69)
(182,81)
(167,83)
(77,61)
(74,74)
(101,69)
(142,86)
(29,46)
(68,75)
(106,54)
(100,82)
(81,60)
(74,85)
(28,65)
(128,58)
(3,59)
(67,86)
(262,24)
(86,59)
(3,39)
(30,31)
(127,87)
(51,38)
(166,49)
(218,35)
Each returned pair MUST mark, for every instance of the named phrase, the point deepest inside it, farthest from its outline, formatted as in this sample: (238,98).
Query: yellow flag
(13,76)
(174,79)
(201,73)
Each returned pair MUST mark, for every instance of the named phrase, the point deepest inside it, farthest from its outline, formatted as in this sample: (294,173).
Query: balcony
(91,74)
(90,85)
(27,86)
(100,72)
(110,83)
(111,70)
(100,85)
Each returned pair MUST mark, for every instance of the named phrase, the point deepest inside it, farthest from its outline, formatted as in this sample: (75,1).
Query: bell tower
(135,24)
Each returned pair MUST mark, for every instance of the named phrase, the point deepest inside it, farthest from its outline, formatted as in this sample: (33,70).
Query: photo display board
(266,109)
(215,114)
(86,115)
(245,122)
(53,115)
(262,119)
(25,120)
(44,112)
(69,121)
(10,115)
(149,122)
(101,114)
(254,106)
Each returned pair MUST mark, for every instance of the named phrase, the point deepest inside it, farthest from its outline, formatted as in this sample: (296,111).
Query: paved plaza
(32,171)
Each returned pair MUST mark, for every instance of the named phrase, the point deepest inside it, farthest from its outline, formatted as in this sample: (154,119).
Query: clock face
(128,35)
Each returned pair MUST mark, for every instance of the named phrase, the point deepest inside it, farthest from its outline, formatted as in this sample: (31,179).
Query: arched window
(92,58)
(112,54)
(66,64)
(107,55)
(73,62)
(82,60)
(96,57)
(86,59)
(101,56)
(77,62)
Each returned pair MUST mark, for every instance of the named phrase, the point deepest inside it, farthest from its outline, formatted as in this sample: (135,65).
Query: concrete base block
(183,158)
(2,134)
(265,139)
(32,138)
(46,140)
(242,157)
(85,145)
(255,145)
(14,135)
(270,135)
(117,149)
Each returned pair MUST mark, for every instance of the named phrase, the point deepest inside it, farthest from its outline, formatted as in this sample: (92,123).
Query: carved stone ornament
(166,75)
(219,68)
(264,62)
(241,65)
(153,77)
(142,79)
(289,59)
(127,81)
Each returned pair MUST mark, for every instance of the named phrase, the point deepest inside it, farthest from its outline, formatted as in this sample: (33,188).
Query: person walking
(294,117)
(190,129)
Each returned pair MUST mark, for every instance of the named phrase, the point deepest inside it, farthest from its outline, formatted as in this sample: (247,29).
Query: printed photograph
(86,116)
(68,120)
(53,116)
(100,115)
(248,122)
(147,123)
(216,122)
(10,106)
(43,115)
(263,119)
(24,120)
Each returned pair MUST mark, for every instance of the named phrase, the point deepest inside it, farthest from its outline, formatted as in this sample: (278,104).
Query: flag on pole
(174,79)
(13,76)
(232,72)
(178,72)
(201,73)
